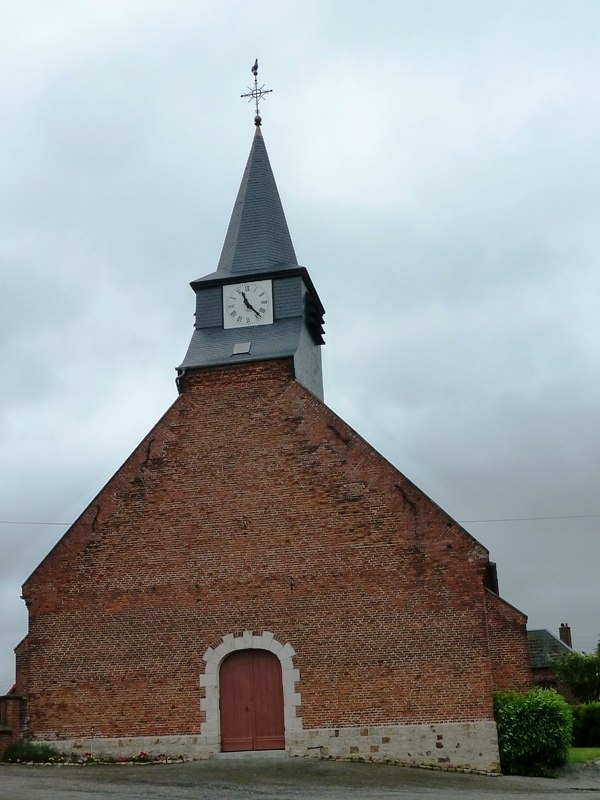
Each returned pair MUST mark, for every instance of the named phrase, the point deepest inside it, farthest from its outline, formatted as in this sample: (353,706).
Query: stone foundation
(450,746)
(453,746)
(191,747)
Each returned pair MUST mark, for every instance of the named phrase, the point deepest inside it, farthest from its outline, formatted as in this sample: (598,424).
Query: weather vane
(256,93)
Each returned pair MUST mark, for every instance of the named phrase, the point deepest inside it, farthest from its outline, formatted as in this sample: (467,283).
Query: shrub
(27,752)
(586,725)
(581,673)
(534,731)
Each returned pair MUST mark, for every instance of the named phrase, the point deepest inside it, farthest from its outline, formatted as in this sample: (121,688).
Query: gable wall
(251,506)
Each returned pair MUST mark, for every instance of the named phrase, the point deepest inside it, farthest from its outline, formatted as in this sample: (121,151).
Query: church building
(256,576)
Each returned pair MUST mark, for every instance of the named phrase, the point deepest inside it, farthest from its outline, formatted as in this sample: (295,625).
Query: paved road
(280,779)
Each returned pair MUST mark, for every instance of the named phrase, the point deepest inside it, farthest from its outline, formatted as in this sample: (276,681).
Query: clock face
(246,304)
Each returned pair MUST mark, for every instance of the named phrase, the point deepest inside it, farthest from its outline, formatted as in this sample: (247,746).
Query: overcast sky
(438,165)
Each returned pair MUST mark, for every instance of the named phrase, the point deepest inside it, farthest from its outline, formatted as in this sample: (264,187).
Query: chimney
(565,634)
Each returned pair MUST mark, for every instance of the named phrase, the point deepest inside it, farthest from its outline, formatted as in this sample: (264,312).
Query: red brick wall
(21,666)
(11,716)
(545,678)
(509,648)
(250,505)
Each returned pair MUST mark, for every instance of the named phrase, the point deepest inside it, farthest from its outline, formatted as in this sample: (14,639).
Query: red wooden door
(251,702)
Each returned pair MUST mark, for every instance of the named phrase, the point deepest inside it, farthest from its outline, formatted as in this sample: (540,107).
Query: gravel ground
(279,779)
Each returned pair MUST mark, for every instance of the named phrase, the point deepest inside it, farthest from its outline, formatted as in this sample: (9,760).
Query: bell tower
(260,303)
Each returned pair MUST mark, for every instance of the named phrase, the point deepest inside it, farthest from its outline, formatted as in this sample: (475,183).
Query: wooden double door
(251,702)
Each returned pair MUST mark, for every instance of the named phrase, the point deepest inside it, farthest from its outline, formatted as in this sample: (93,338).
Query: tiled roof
(216,346)
(257,238)
(545,648)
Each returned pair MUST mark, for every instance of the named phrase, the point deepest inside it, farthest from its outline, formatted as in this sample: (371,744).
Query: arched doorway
(251,702)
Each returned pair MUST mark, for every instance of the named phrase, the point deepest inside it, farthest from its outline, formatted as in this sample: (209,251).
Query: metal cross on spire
(256,93)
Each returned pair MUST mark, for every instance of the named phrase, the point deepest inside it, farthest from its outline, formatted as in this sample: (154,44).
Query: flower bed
(42,753)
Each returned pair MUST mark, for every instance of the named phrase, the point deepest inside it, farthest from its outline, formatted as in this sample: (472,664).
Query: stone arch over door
(209,679)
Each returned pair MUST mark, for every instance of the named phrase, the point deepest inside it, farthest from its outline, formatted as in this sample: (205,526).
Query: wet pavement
(262,778)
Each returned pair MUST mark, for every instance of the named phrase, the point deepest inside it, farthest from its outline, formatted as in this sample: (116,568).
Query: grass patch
(580,755)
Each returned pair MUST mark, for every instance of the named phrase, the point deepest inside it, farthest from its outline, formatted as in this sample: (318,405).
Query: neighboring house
(12,718)
(256,576)
(544,649)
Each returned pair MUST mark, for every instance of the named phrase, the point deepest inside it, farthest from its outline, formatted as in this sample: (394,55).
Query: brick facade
(251,507)
(509,648)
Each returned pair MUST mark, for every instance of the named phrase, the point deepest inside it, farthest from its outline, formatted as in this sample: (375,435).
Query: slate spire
(258,249)
(258,239)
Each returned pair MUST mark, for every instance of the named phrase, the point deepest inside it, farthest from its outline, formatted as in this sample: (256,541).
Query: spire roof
(258,247)
(257,238)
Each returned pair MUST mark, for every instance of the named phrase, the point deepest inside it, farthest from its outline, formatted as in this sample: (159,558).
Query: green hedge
(27,752)
(534,731)
(586,725)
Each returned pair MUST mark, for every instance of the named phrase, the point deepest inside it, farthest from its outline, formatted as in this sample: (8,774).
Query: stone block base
(190,747)
(469,746)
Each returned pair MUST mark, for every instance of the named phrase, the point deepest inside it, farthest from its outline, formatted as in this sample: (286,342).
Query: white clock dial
(246,304)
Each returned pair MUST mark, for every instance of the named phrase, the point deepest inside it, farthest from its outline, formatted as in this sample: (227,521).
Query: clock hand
(249,305)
